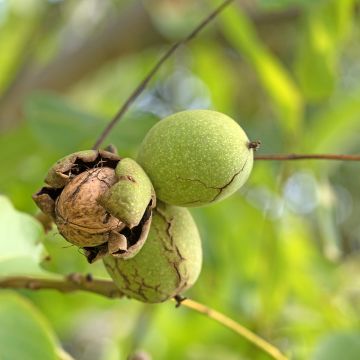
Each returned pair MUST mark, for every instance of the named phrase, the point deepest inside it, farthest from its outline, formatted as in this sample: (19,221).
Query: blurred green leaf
(335,128)
(273,76)
(58,124)
(172,21)
(65,258)
(131,130)
(20,233)
(219,80)
(27,161)
(279,4)
(338,346)
(21,249)
(12,35)
(61,125)
(326,26)
(24,334)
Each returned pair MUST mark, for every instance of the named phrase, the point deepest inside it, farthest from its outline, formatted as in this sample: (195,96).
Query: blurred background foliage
(281,256)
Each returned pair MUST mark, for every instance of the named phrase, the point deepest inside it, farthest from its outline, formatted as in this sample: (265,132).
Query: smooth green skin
(128,199)
(196,157)
(169,262)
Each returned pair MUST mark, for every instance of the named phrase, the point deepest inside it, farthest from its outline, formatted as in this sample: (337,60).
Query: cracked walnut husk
(99,202)
(169,262)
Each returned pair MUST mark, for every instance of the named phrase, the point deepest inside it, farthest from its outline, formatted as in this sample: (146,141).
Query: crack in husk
(219,188)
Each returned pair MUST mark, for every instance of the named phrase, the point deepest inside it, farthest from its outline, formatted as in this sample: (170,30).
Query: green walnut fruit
(99,202)
(196,157)
(168,263)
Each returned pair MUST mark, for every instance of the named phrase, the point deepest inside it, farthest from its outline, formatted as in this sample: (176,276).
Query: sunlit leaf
(273,76)
(326,26)
(219,80)
(335,128)
(21,249)
(13,35)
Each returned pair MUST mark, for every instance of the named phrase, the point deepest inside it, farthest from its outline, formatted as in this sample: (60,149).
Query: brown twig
(234,326)
(71,283)
(78,282)
(285,157)
(138,90)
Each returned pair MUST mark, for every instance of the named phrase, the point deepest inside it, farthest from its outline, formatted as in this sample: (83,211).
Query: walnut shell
(77,182)
(79,217)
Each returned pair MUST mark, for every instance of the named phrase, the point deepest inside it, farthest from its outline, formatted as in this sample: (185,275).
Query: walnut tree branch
(286,157)
(79,282)
(71,283)
(139,89)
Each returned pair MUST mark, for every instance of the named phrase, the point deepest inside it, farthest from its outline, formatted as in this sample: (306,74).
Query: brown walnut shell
(76,184)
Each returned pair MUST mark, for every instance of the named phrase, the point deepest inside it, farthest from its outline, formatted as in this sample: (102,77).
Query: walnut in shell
(99,202)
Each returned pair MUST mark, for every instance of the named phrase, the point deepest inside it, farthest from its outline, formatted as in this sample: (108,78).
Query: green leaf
(19,233)
(273,76)
(65,258)
(335,128)
(219,79)
(61,125)
(326,26)
(339,346)
(58,124)
(13,34)
(24,334)
(21,249)
(280,4)
(27,161)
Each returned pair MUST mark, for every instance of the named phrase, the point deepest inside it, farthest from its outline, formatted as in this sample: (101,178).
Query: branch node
(255,145)
(33,285)
(75,278)
(179,299)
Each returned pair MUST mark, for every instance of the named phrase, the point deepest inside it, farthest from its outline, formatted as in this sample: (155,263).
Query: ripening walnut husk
(196,157)
(169,262)
(99,202)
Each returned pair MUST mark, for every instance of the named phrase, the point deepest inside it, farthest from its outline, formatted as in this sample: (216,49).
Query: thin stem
(138,90)
(78,282)
(285,157)
(63,355)
(236,327)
